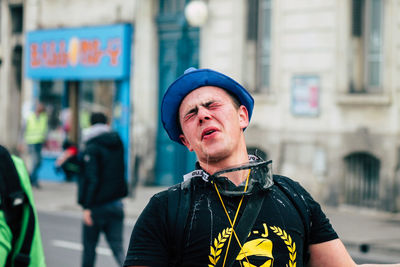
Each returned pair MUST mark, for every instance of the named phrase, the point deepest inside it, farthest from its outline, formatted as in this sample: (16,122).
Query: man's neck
(231,161)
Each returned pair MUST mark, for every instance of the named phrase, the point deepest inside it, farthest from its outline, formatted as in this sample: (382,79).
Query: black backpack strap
(245,224)
(23,256)
(14,201)
(178,211)
(293,194)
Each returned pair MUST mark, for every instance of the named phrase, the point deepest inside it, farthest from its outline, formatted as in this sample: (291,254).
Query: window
(264,46)
(366,46)
(17,66)
(50,94)
(56,96)
(95,96)
(171,6)
(259,38)
(16,12)
(0,30)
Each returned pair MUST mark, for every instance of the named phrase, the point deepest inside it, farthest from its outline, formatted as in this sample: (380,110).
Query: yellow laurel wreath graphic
(218,245)
(291,246)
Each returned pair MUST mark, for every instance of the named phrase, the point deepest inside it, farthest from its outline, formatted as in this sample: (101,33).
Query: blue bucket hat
(189,81)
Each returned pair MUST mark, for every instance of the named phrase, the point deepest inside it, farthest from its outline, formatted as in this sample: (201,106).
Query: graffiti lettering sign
(91,53)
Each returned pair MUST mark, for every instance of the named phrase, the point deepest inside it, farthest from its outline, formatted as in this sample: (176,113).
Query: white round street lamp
(196,13)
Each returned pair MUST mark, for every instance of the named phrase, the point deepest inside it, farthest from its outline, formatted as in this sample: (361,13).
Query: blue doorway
(178,50)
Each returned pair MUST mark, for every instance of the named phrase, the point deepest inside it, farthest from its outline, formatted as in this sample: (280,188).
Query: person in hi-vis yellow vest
(35,136)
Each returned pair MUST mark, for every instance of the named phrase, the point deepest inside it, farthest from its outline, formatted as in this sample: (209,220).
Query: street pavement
(367,234)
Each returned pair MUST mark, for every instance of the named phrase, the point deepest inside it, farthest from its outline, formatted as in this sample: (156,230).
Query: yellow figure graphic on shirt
(260,247)
(255,249)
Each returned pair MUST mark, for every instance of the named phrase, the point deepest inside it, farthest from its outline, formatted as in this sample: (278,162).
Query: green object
(29,227)
(36,128)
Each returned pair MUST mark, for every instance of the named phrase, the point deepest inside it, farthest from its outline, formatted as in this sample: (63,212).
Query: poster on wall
(305,95)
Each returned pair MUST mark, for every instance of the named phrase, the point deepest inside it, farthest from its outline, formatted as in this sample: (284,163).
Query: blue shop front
(76,71)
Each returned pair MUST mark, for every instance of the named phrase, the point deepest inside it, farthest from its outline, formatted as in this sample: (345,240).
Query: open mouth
(207,133)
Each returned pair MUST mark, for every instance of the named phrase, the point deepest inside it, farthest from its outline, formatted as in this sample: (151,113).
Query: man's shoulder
(106,139)
(284,180)
(174,190)
(293,190)
(158,200)
(163,194)
(90,146)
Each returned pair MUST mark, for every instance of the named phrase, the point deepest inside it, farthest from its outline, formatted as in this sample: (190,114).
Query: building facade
(11,56)
(324,75)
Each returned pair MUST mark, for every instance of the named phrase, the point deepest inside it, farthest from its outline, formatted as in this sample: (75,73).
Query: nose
(203,114)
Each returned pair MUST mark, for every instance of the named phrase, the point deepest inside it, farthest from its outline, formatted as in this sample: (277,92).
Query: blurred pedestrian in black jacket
(102,185)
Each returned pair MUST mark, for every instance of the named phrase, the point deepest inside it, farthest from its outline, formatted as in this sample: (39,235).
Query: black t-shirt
(277,238)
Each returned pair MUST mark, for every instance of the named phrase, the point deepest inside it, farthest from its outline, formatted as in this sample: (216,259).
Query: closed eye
(211,104)
(208,105)
(190,113)
(189,116)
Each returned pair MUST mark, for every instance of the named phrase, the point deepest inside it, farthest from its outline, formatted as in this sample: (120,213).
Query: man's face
(211,123)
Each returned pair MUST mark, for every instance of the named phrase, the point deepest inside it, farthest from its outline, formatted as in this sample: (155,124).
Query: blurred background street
(325,76)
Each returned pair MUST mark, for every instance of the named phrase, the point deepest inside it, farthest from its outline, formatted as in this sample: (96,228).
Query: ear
(185,142)
(243,117)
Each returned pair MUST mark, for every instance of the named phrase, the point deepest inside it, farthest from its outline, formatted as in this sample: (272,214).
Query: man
(35,129)
(102,185)
(20,241)
(238,214)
